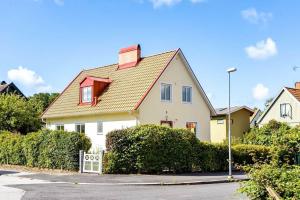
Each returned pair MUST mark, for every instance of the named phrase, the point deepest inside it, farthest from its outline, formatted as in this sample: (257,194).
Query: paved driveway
(222,191)
(14,186)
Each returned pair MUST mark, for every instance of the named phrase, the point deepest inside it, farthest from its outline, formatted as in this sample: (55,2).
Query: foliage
(18,115)
(149,149)
(11,149)
(155,149)
(43,100)
(249,154)
(283,141)
(285,181)
(46,149)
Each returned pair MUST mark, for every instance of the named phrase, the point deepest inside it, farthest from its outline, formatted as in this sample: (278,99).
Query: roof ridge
(110,65)
(292,88)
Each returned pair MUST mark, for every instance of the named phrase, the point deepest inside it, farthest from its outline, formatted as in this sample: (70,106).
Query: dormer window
(86,94)
(91,88)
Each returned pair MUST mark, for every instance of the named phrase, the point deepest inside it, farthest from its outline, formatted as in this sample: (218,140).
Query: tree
(18,115)
(268,102)
(43,100)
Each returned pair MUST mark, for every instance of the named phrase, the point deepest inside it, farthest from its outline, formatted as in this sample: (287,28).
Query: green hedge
(283,141)
(155,149)
(45,149)
(285,181)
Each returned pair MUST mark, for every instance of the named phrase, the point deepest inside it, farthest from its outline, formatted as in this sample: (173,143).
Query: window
(80,128)
(186,94)
(285,110)
(166,123)
(220,121)
(86,96)
(99,127)
(166,91)
(192,126)
(60,127)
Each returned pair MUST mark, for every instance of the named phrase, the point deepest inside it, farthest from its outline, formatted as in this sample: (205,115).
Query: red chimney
(297,85)
(129,56)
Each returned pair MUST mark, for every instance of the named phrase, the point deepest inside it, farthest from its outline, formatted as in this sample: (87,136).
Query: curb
(167,183)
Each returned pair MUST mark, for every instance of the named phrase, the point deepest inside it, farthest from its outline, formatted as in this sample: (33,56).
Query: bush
(285,181)
(46,149)
(211,157)
(11,149)
(155,149)
(150,149)
(244,154)
(284,141)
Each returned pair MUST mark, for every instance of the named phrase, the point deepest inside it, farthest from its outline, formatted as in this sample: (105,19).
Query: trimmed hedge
(156,149)
(45,149)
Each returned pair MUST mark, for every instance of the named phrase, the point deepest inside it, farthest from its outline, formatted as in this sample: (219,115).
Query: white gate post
(81,154)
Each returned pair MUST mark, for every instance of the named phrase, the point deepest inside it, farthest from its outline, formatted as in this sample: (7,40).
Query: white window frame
(191,97)
(285,114)
(76,124)
(98,132)
(59,125)
(171,92)
(83,99)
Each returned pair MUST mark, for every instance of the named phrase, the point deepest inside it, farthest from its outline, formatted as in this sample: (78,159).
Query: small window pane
(166,92)
(80,128)
(86,94)
(186,94)
(99,127)
(60,127)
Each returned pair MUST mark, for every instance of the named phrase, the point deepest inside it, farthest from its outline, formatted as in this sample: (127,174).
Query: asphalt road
(70,191)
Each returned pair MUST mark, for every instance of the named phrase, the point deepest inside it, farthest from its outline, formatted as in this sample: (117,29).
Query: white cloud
(59,2)
(260,92)
(160,3)
(254,17)
(28,78)
(262,49)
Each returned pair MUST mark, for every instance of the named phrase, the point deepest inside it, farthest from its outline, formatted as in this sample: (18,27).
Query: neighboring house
(284,108)
(254,118)
(158,89)
(240,123)
(10,88)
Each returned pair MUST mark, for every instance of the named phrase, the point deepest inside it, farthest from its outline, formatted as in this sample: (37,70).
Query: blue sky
(45,43)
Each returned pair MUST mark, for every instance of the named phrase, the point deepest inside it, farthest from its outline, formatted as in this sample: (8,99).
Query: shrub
(244,154)
(150,149)
(46,149)
(155,149)
(211,157)
(284,141)
(11,149)
(284,180)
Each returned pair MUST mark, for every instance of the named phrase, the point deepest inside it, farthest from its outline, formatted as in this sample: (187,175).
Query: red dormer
(91,88)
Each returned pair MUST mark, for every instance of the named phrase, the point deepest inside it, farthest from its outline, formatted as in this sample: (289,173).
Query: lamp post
(229,71)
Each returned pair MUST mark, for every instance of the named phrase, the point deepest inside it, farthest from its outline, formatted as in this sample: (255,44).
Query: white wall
(153,110)
(274,112)
(98,140)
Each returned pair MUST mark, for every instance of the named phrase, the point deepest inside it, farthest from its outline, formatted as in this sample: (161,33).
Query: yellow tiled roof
(126,90)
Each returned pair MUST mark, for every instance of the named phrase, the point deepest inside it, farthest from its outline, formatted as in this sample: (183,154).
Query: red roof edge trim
(130,48)
(152,85)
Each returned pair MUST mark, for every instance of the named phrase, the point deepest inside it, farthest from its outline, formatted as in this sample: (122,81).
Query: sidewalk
(108,179)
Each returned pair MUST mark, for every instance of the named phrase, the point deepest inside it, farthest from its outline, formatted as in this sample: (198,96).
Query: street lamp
(230,70)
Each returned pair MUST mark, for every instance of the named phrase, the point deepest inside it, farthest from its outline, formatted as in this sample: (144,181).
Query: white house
(284,108)
(157,89)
